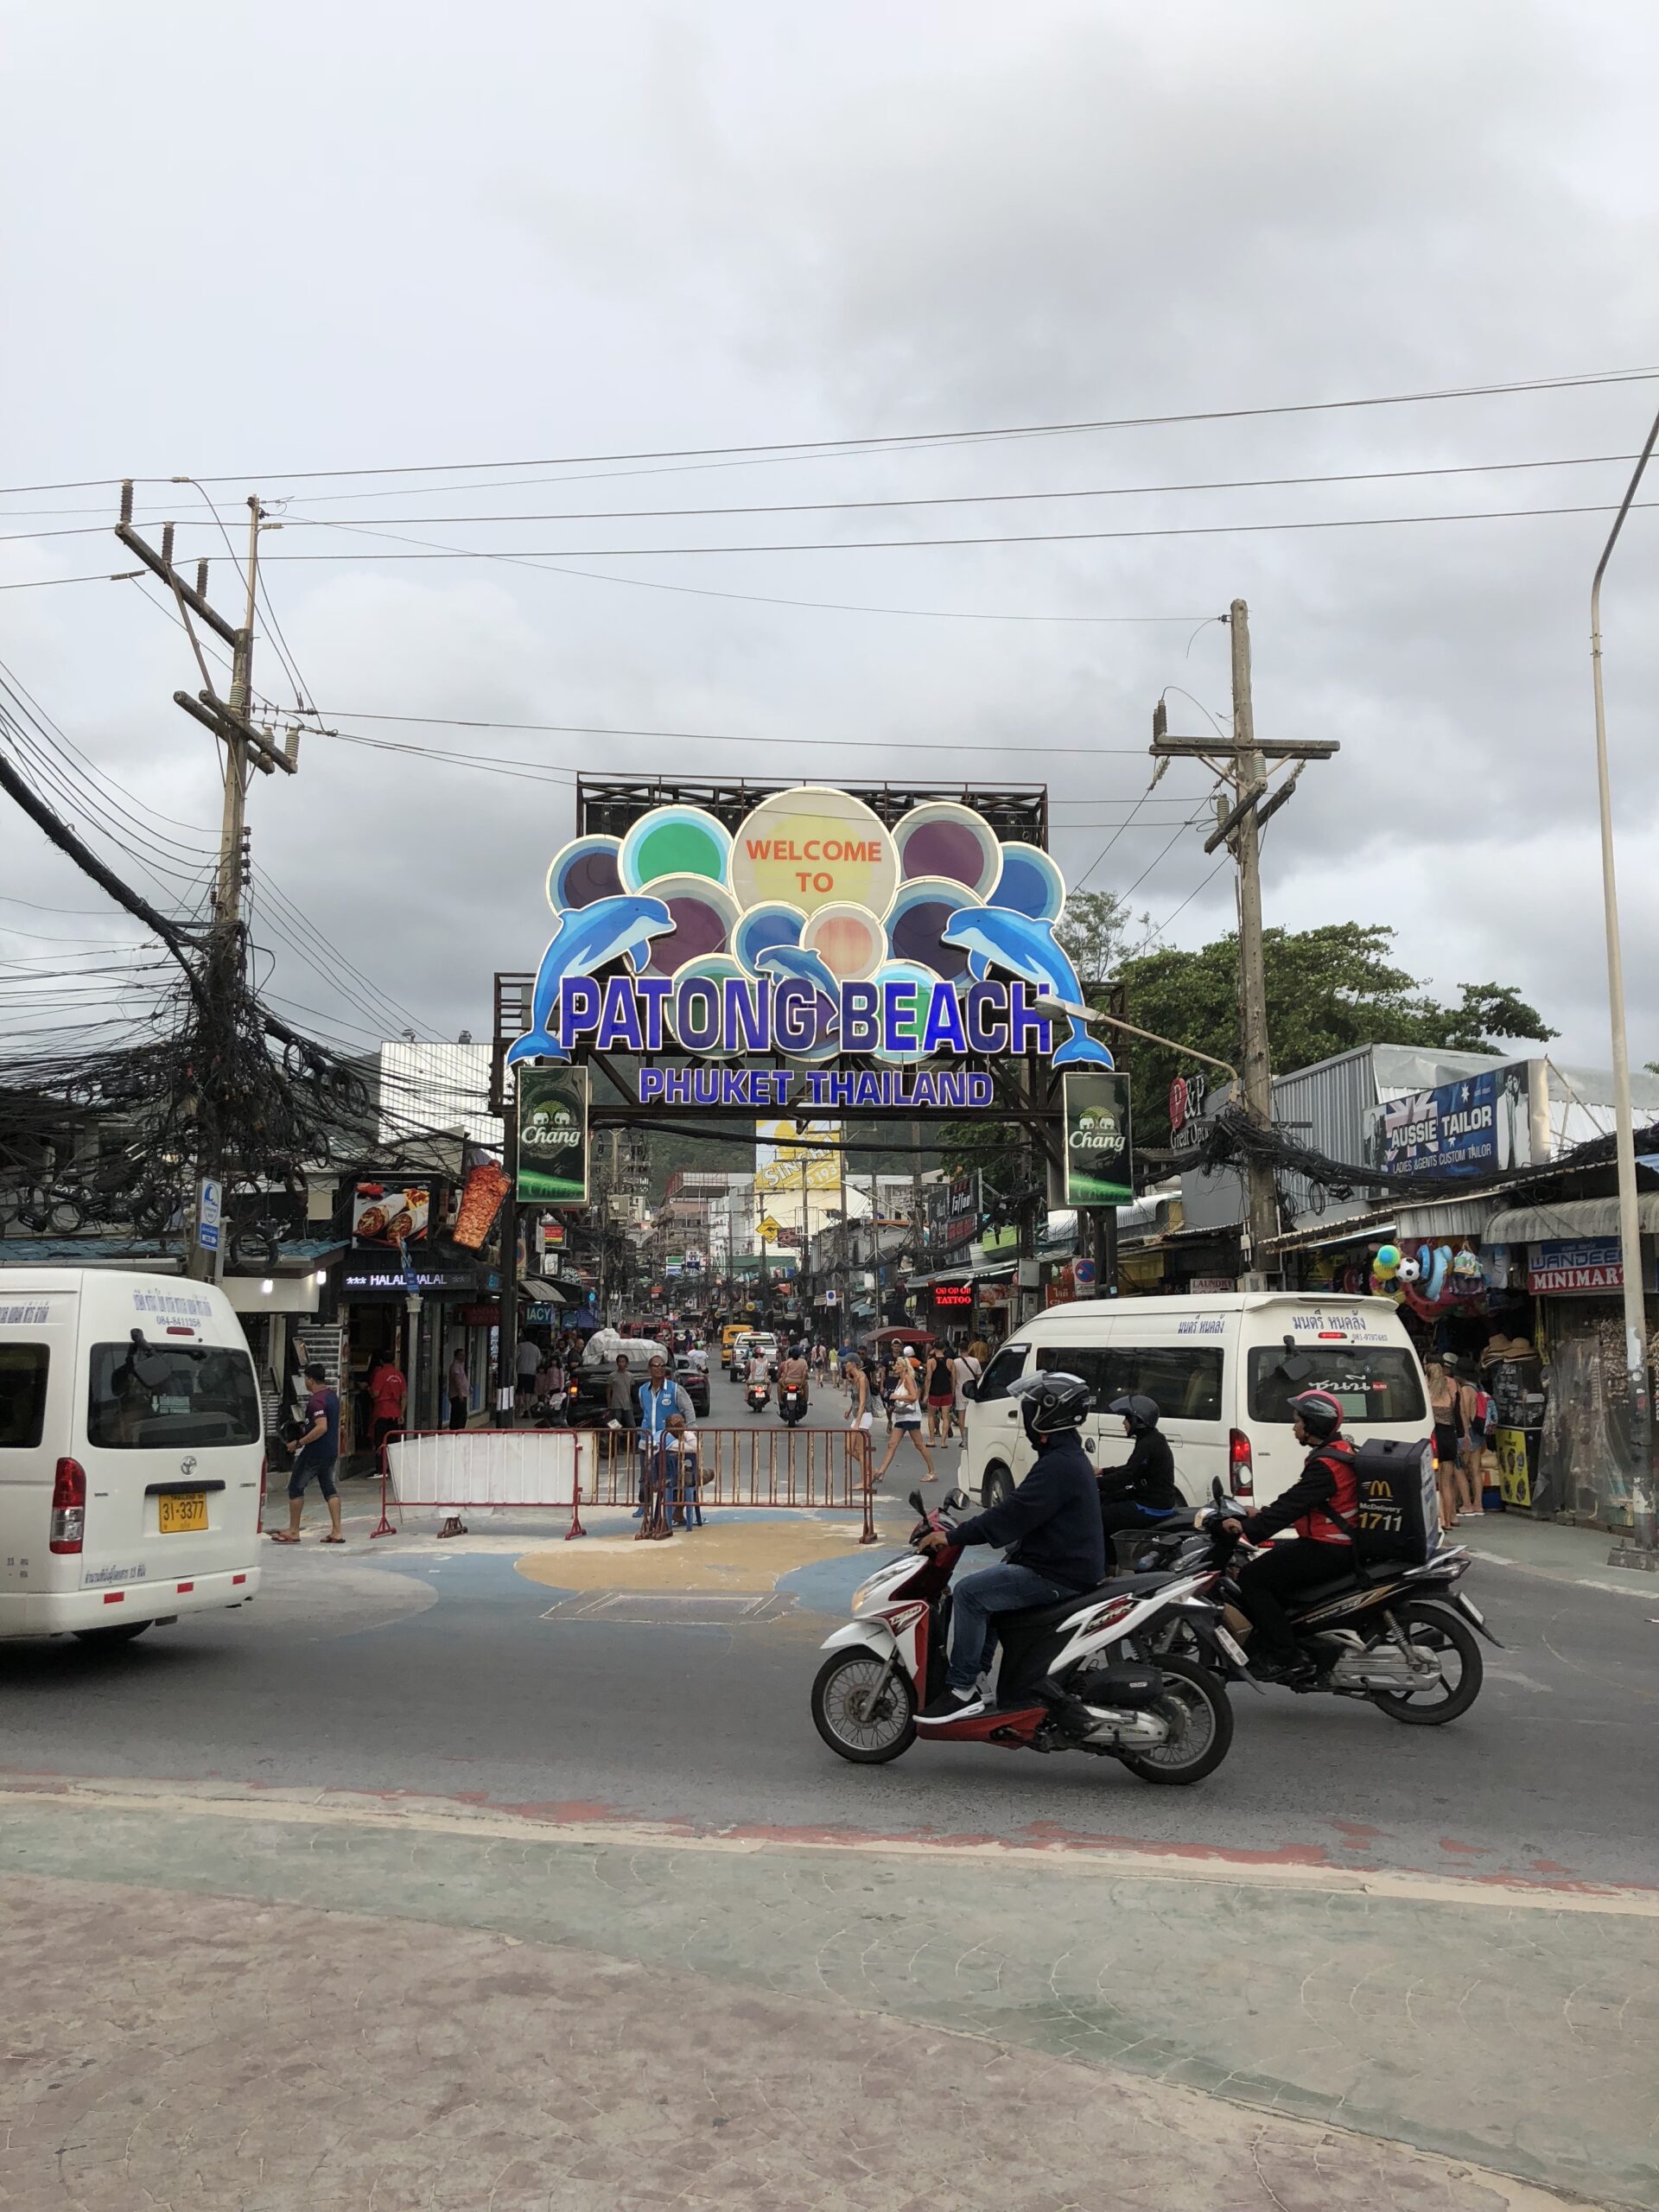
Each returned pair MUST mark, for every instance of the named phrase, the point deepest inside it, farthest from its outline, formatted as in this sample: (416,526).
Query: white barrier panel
(486,1466)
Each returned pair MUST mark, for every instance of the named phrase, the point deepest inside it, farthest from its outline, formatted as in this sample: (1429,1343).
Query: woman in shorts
(905,1407)
(941,1394)
(859,1415)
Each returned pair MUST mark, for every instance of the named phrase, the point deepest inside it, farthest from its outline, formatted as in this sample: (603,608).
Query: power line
(301,521)
(919,544)
(890,441)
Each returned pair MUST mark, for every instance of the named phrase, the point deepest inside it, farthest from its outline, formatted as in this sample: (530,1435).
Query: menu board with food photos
(388,1215)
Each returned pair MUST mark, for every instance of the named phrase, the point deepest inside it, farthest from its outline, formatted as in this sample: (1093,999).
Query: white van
(1222,1370)
(132,1452)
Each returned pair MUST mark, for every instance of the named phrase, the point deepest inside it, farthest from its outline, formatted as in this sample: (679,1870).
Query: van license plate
(182,1511)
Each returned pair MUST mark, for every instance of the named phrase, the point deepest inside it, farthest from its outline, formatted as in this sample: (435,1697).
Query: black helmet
(1139,1411)
(1050,1400)
(1320,1414)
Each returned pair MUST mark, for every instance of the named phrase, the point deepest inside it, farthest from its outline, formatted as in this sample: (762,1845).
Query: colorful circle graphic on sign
(944,838)
(1030,883)
(918,915)
(703,914)
(587,869)
(763,929)
(674,840)
(811,846)
(849,940)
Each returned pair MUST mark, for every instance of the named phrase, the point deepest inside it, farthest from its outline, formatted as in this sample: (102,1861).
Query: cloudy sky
(575,248)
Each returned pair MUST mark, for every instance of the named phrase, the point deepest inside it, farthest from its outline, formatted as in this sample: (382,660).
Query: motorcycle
(758,1397)
(791,1403)
(1076,1675)
(1397,1634)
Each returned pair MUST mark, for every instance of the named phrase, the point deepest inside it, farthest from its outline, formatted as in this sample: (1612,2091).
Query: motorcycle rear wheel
(1210,1726)
(1437,1628)
(850,1674)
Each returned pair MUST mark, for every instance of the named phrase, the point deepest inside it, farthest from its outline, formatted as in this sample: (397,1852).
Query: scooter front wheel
(1206,1730)
(843,1714)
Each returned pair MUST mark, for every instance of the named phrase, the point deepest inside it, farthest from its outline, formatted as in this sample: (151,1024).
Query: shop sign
(553,1136)
(1098,1155)
(407,1278)
(1187,1097)
(1514,1470)
(389,1215)
(816,933)
(1482,1124)
(1582,1267)
(540,1315)
(1210,1285)
(952,1296)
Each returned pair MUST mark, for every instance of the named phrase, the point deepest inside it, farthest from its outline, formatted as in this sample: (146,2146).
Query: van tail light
(68,1507)
(259,1525)
(1241,1467)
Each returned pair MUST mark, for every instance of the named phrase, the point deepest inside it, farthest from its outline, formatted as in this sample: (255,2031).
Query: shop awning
(992,1271)
(1571,1217)
(1443,1218)
(540,1292)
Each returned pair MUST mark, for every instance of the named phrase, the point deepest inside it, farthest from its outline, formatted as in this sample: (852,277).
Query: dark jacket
(1317,1486)
(1145,1478)
(1051,1523)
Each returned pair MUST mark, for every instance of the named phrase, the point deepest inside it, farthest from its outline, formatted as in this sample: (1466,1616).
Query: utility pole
(1242,807)
(1255,1065)
(244,746)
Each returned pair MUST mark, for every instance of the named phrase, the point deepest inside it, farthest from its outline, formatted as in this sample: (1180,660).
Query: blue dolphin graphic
(802,966)
(585,938)
(997,937)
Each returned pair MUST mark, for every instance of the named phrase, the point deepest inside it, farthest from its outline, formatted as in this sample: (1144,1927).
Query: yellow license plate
(182,1511)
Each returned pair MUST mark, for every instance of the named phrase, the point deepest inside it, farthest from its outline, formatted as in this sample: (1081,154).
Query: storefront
(420,1318)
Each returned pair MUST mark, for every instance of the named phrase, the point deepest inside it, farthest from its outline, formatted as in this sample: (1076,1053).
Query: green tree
(1092,931)
(1328,990)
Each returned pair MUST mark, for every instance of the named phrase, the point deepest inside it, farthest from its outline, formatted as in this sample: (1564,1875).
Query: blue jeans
(1004,1589)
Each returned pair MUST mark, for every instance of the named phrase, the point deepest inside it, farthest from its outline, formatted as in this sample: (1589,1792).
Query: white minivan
(1222,1370)
(132,1452)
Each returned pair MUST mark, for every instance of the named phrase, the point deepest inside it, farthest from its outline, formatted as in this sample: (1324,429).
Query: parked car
(693,1379)
(587,1393)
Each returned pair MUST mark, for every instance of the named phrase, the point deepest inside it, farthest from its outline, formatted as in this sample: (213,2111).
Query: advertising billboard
(386,1215)
(1483,1124)
(553,1136)
(1099,1157)
(878,962)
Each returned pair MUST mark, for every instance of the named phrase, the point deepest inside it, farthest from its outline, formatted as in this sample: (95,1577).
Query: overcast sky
(349,238)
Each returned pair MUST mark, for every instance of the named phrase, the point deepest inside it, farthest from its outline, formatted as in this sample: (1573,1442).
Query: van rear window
(171,1397)
(22,1396)
(1371,1382)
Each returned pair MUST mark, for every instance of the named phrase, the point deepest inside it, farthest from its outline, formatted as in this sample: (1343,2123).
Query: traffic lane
(487,1693)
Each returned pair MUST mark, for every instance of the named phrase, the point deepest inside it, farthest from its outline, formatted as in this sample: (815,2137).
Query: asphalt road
(408,1666)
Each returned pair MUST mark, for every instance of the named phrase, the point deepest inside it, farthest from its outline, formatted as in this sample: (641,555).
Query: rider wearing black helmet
(1050,1528)
(1320,1506)
(1141,1493)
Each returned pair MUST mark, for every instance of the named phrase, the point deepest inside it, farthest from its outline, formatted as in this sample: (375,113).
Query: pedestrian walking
(619,1393)
(315,1456)
(527,1361)
(388,1390)
(941,1394)
(1450,1401)
(906,1402)
(859,1416)
(460,1389)
(965,1368)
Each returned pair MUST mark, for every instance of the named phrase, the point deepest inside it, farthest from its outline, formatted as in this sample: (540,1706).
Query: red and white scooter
(1073,1676)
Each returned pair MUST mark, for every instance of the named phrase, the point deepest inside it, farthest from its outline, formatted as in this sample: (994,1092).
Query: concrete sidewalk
(1557,1549)
(252,1999)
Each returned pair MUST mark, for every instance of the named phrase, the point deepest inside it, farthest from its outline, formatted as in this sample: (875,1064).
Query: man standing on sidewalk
(315,1454)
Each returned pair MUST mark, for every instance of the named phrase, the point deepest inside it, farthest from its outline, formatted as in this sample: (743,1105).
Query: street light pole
(1640,1551)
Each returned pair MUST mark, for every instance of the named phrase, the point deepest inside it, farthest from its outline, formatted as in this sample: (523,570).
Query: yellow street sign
(770,1231)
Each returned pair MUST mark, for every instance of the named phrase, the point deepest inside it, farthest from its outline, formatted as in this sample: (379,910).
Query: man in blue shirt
(660,1397)
(317,1451)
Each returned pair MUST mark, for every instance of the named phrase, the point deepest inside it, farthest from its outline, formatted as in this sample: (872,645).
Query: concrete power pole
(1242,764)
(1256,1068)
(245,748)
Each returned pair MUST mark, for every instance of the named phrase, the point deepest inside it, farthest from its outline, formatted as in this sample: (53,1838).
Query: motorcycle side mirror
(957,1501)
(918,1503)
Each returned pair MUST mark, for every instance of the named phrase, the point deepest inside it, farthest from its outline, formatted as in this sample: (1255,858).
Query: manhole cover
(683,1609)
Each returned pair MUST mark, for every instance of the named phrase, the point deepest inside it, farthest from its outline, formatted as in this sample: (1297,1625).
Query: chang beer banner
(1099,1159)
(553,1136)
